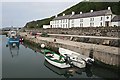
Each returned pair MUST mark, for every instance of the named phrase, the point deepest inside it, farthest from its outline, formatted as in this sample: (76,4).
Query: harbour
(29,60)
(60,40)
(100,52)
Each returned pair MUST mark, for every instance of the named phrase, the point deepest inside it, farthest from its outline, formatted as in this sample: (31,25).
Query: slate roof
(62,17)
(116,18)
(83,15)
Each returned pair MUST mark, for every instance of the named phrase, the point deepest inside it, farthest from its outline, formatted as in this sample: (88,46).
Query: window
(91,19)
(91,24)
(72,21)
(66,25)
(81,24)
(81,20)
(107,17)
(101,18)
(101,24)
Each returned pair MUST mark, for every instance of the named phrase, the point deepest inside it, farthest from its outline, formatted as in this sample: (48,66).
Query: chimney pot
(80,12)
(73,12)
(56,16)
(109,8)
(63,14)
(91,10)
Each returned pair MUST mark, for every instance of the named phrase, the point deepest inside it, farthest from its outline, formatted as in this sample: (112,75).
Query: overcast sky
(17,13)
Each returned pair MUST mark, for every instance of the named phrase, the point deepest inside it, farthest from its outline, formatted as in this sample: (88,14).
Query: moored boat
(62,72)
(13,39)
(55,59)
(77,59)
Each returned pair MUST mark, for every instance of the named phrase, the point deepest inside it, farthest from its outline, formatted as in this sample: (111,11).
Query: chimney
(109,8)
(80,12)
(73,12)
(63,14)
(91,11)
(56,16)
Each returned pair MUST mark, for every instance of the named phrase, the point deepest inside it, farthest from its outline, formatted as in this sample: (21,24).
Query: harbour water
(25,62)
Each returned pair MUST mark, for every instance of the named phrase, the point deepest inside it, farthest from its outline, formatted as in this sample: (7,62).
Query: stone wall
(91,31)
(105,54)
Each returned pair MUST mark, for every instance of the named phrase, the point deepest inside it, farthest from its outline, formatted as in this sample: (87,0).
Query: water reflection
(68,72)
(30,64)
(14,50)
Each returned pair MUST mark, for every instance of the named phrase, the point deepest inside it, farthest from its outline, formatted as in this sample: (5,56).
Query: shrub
(44,35)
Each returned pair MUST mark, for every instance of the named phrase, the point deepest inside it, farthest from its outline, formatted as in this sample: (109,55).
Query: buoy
(14,44)
(42,45)
(70,70)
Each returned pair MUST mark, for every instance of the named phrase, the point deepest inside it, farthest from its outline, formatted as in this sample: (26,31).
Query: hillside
(82,6)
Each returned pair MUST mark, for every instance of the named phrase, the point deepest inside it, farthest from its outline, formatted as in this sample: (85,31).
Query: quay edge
(109,57)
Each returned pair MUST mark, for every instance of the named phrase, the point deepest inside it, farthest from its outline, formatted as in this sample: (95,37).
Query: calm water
(26,63)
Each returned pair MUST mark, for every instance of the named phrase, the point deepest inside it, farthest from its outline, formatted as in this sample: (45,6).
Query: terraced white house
(89,19)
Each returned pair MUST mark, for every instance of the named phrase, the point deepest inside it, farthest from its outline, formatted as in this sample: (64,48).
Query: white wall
(76,22)
(96,22)
(116,23)
(46,26)
(87,22)
(63,23)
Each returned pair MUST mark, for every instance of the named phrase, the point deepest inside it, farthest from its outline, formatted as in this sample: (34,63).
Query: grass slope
(82,6)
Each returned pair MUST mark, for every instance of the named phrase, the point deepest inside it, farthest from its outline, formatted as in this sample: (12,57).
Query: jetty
(106,54)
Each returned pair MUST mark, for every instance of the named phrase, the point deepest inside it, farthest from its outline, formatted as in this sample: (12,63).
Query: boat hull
(13,40)
(55,59)
(60,65)
(74,57)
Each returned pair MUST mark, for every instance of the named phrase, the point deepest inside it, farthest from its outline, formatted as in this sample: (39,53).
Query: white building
(116,21)
(90,19)
(46,26)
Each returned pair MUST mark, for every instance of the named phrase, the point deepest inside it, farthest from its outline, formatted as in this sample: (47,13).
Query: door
(107,23)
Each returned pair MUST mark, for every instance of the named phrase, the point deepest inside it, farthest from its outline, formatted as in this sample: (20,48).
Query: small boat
(62,72)
(55,59)
(77,59)
(14,50)
(13,39)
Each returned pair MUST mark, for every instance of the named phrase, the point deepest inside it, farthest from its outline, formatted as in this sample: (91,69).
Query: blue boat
(13,39)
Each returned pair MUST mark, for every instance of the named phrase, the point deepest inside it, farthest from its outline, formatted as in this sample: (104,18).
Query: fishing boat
(14,50)
(77,59)
(55,59)
(13,39)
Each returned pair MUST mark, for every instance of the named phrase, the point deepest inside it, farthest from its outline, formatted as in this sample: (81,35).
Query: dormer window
(107,17)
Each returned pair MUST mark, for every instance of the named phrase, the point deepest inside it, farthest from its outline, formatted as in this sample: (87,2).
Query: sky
(18,12)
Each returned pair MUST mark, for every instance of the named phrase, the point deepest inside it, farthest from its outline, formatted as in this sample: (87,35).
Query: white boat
(77,59)
(12,34)
(55,59)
